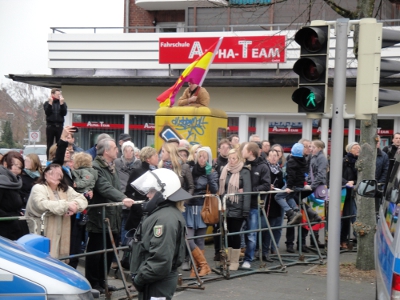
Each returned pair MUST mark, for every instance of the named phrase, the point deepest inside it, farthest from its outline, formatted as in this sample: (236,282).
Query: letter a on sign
(158,230)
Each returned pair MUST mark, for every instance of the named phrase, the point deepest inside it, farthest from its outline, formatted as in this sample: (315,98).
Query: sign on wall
(233,50)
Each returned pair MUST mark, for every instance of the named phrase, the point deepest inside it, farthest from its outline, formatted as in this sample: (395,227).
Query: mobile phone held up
(74,129)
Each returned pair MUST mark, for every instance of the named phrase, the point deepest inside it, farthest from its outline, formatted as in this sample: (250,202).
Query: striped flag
(196,73)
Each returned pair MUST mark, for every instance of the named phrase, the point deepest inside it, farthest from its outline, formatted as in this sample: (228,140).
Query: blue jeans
(252,223)
(266,236)
(286,200)
(124,218)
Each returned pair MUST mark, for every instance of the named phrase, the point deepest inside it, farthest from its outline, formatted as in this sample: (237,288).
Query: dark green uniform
(159,251)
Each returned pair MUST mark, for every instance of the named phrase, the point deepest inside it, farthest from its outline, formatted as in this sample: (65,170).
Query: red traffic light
(312,39)
(310,69)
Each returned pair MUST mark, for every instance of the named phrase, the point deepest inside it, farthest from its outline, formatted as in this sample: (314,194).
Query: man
(254,138)
(185,144)
(55,109)
(123,137)
(93,151)
(106,190)
(234,140)
(260,181)
(392,149)
(381,170)
(71,144)
(265,146)
(194,95)
(222,159)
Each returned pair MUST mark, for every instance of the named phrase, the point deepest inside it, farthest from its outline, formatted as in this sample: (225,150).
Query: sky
(25,25)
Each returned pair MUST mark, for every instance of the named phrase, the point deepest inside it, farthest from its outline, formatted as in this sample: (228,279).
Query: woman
(148,162)
(192,155)
(282,159)
(203,177)
(124,164)
(171,160)
(52,194)
(273,210)
(31,173)
(349,180)
(317,177)
(235,179)
(11,202)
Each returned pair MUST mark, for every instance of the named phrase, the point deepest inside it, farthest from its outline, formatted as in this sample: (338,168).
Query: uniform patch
(158,230)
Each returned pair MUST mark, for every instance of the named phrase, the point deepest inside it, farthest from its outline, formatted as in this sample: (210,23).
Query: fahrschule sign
(233,50)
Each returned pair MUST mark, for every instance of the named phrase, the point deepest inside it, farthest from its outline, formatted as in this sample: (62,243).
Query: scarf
(233,184)
(32,174)
(275,169)
(198,171)
(58,228)
(351,158)
(127,164)
(8,180)
(110,166)
(168,165)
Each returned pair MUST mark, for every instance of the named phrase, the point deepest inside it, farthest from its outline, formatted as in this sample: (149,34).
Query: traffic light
(372,38)
(312,68)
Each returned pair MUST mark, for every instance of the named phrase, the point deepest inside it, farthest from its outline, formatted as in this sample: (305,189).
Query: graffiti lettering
(194,126)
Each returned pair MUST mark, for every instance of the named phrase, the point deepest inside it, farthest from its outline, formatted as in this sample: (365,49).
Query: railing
(204,28)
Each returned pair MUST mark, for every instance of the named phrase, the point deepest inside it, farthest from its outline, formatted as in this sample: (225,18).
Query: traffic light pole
(335,185)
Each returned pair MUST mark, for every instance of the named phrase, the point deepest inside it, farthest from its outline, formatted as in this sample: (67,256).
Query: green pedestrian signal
(311,100)
(312,68)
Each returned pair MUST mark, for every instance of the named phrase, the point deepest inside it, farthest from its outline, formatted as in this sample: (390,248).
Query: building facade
(111,80)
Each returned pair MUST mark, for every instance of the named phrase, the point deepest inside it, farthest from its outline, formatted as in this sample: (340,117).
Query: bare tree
(30,99)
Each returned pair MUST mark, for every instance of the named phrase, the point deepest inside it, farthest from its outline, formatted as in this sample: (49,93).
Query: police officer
(158,247)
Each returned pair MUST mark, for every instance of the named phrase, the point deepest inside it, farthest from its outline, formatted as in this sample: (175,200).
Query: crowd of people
(106,173)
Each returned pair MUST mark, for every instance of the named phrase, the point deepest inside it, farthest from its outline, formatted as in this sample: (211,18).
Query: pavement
(292,283)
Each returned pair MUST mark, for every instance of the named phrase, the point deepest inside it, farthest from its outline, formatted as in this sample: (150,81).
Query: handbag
(210,212)
(321,191)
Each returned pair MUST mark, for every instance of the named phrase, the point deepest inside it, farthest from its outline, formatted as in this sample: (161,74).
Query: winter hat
(297,150)
(124,137)
(127,144)
(351,145)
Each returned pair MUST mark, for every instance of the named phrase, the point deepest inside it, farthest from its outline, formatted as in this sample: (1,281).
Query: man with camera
(55,109)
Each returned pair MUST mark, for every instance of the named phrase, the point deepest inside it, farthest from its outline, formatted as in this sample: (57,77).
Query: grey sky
(25,25)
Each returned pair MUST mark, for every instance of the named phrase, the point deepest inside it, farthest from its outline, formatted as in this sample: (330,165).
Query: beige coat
(57,226)
(203,98)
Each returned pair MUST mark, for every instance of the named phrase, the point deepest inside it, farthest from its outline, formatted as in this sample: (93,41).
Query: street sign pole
(335,186)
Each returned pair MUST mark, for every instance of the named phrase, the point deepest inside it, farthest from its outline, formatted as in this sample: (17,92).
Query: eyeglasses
(17,166)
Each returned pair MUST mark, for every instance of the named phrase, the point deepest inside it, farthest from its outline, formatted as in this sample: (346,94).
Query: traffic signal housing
(369,96)
(312,68)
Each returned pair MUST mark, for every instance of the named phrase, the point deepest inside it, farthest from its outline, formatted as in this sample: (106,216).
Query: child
(296,169)
(83,174)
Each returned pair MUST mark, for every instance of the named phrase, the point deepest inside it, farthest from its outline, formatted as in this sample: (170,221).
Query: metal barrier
(223,269)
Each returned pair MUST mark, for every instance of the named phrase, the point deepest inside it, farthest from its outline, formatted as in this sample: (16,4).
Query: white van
(40,150)
(387,237)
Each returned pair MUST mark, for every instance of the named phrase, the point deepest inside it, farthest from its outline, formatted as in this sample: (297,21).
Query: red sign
(233,50)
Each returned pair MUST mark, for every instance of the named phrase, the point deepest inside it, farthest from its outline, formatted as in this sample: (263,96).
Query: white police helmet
(164,181)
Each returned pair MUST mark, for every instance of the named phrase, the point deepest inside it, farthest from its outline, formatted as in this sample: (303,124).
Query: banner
(233,50)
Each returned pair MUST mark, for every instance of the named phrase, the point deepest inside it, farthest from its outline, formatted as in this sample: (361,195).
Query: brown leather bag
(210,212)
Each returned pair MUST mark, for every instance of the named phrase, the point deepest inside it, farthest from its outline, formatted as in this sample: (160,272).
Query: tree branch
(341,11)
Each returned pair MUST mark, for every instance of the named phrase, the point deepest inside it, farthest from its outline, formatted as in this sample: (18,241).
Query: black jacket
(55,113)
(241,208)
(260,178)
(349,172)
(136,211)
(220,163)
(296,168)
(382,166)
(272,208)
